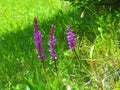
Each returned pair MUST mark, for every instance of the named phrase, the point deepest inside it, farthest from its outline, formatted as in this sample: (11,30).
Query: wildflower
(52,43)
(71,40)
(38,40)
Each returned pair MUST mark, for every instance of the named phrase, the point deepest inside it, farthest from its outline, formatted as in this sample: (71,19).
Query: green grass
(97,46)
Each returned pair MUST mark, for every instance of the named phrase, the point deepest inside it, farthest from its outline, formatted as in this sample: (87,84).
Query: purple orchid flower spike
(38,40)
(71,40)
(52,43)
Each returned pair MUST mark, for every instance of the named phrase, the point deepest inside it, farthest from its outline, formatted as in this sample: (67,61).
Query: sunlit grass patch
(17,15)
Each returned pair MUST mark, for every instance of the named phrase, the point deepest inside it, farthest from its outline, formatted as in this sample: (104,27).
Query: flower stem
(79,60)
(56,67)
(46,75)
(43,65)
(77,56)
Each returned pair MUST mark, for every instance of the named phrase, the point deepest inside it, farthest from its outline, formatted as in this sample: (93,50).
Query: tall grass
(97,46)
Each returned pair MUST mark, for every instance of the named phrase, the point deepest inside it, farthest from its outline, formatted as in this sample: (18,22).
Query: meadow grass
(97,47)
